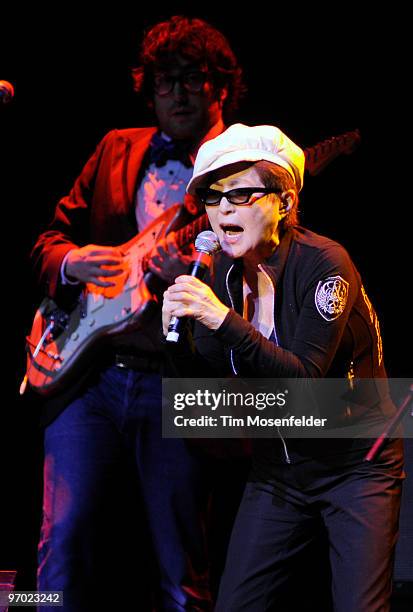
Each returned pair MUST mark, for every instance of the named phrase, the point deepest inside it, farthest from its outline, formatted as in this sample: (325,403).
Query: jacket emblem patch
(331,297)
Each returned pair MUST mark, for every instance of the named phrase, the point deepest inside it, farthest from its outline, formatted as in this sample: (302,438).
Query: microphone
(6,92)
(206,244)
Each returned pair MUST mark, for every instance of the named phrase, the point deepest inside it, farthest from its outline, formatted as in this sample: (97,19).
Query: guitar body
(62,343)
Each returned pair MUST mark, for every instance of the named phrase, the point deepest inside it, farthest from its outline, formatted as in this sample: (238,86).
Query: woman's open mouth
(232,232)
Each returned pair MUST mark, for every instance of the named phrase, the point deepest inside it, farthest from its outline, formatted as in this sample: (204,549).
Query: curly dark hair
(198,41)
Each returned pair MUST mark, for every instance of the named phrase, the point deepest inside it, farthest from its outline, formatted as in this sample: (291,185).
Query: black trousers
(357,503)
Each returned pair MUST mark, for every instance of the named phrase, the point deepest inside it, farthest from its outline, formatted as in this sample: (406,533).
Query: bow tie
(161,150)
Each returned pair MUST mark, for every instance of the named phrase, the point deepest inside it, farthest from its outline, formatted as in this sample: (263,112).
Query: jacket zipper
(286,455)
(231,354)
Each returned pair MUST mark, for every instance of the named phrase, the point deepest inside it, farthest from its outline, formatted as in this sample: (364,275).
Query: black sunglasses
(192,81)
(241,196)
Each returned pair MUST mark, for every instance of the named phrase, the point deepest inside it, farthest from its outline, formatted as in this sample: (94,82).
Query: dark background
(314,75)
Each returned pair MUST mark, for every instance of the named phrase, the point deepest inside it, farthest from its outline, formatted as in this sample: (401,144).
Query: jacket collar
(128,153)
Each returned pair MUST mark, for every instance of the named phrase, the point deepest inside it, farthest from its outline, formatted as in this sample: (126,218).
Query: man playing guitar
(191,79)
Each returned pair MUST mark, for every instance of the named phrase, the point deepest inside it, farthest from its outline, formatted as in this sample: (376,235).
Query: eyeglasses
(241,196)
(192,81)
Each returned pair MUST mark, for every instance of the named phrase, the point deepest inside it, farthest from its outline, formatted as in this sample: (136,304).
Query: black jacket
(325,325)
(319,332)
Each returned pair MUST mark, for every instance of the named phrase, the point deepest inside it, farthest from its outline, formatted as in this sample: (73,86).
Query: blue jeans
(83,447)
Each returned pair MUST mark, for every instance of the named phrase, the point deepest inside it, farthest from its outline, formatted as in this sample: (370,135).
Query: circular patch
(331,297)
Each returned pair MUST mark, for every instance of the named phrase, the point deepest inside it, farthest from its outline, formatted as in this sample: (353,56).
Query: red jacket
(100,207)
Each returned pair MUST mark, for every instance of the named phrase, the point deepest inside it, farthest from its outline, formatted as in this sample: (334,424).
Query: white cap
(244,143)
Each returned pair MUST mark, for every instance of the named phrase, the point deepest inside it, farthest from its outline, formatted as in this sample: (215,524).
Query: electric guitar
(61,343)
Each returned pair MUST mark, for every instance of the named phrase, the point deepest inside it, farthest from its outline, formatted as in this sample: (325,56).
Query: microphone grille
(207,242)
(6,92)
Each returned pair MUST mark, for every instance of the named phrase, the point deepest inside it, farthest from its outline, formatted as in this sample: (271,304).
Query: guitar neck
(187,234)
(324,152)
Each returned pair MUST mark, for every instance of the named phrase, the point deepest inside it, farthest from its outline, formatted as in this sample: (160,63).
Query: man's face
(181,113)
(250,231)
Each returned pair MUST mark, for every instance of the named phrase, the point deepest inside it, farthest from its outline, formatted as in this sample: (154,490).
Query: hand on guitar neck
(167,261)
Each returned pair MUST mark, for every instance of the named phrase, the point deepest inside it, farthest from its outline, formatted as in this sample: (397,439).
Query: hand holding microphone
(190,297)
